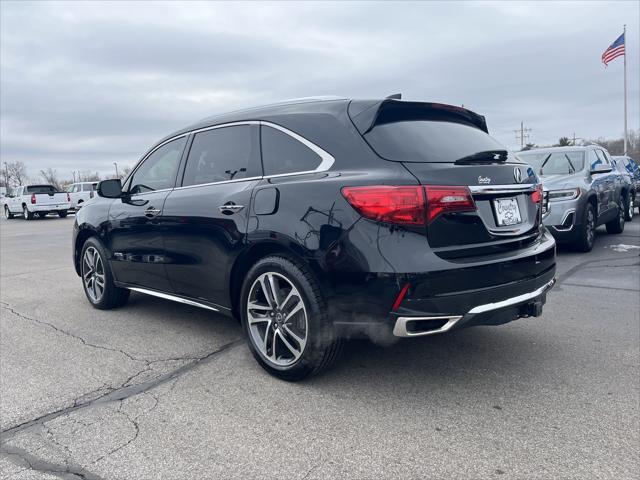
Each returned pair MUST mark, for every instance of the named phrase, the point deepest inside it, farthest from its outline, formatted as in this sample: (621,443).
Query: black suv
(317,219)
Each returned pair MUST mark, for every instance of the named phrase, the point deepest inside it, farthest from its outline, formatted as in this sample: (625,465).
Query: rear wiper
(487,156)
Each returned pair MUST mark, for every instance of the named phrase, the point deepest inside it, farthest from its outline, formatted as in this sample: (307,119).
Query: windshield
(556,163)
(430,141)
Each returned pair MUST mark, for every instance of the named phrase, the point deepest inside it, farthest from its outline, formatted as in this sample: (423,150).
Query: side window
(281,153)
(19,192)
(226,153)
(158,171)
(86,187)
(594,159)
(604,157)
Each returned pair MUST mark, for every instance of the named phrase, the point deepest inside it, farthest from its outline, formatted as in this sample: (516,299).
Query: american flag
(616,49)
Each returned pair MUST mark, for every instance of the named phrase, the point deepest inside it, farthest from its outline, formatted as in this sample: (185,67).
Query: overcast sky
(84,85)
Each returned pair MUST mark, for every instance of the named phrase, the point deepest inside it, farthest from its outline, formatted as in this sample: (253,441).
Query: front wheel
(284,317)
(97,278)
(617,224)
(7,213)
(630,206)
(587,230)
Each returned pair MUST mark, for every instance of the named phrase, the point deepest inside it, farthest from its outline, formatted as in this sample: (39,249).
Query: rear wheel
(97,278)
(7,213)
(630,206)
(26,214)
(587,230)
(617,224)
(285,321)
(62,213)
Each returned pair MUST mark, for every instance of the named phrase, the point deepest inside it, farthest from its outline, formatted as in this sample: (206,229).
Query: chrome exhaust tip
(421,326)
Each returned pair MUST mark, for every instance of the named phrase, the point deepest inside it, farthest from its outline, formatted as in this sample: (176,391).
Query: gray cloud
(86,84)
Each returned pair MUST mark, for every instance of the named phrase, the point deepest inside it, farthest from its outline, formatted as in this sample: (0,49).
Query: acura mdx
(318,219)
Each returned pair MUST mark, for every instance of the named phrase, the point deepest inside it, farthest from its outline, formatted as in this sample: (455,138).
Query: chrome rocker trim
(400,327)
(174,298)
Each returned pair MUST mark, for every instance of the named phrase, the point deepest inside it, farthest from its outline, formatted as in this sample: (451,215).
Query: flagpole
(624,33)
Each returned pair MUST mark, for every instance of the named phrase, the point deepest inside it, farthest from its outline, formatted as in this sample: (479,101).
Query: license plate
(507,211)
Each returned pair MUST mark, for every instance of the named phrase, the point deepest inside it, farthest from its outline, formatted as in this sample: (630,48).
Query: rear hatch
(448,146)
(46,195)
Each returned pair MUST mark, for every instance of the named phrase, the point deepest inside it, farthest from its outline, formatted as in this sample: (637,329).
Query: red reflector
(400,297)
(448,199)
(33,198)
(536,196)
(68,198)
(401,205)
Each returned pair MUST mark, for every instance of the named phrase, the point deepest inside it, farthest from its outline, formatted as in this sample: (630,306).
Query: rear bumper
(49,208)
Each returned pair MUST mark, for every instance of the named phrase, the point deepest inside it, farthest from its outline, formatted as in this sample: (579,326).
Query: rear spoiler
(366,114)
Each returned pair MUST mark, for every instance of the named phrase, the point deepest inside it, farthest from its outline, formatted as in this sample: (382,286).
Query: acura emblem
(517,174)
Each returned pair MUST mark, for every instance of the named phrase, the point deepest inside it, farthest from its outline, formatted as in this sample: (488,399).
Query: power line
(522,134)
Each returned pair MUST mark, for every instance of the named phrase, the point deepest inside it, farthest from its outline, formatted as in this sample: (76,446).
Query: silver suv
(584,191)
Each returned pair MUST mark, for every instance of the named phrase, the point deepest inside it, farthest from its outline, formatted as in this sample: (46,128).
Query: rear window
(48,189)
(429,141)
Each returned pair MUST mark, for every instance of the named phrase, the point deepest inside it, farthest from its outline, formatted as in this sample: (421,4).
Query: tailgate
(48,199)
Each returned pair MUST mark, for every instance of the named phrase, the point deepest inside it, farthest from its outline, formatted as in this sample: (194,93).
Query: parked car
(81,192)
(630,169)
(39,200)
(317,219)
(584,192)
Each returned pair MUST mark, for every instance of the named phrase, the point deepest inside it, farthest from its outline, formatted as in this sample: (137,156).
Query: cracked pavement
(163,390)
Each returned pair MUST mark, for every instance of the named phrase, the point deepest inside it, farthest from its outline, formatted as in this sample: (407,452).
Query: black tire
(7,213)
(62,213)
(629,207)
(321,346)
(26,214)
(617,224)
(587,231)
(111,296)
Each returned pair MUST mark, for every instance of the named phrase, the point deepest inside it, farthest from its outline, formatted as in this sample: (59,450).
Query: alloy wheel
(93,274)
(25,213)
(277,319)
(631,207)
(6,212)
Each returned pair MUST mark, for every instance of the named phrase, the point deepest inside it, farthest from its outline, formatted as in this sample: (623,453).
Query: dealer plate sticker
(507,211)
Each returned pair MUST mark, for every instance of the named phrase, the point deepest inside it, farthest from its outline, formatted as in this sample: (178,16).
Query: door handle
(151,212)
(230,208)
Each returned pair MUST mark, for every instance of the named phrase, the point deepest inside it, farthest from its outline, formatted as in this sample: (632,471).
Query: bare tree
(88,176)
(50,176)
(124,172)
(16,173)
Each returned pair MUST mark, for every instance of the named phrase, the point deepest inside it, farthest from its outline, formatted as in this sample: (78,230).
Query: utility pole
(6,176)
(574,139)
(522,135)
(116,164)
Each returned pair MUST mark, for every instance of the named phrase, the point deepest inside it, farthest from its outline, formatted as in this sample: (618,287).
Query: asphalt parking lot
(162,390)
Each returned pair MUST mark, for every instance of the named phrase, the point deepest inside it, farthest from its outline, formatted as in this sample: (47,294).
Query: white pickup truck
(30,200)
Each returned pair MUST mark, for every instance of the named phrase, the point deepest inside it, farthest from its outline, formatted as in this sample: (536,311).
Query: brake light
(33,198)
(383,203)
(68,197)
(444,199)
(536,196)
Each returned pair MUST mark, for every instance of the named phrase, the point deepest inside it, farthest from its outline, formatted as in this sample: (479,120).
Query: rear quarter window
(283,154)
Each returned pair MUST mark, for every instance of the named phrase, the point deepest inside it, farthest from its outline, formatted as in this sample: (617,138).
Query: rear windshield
(556,163)
(42,189)
(429,141)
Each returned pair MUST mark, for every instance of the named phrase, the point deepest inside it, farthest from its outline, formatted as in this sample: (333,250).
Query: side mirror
(600,168)
(110,188)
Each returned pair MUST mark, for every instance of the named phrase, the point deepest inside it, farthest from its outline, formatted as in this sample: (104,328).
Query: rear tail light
(447,200)
(401,205)
(536,196)
(410,205)
(33,198)
(68,197)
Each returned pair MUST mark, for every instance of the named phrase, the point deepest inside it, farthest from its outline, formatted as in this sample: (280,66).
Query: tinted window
(228,153)
(159,169)
(429,141)
(41,189)
(282,153)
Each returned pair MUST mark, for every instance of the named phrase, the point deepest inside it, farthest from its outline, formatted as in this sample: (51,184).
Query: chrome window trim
(326,159)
